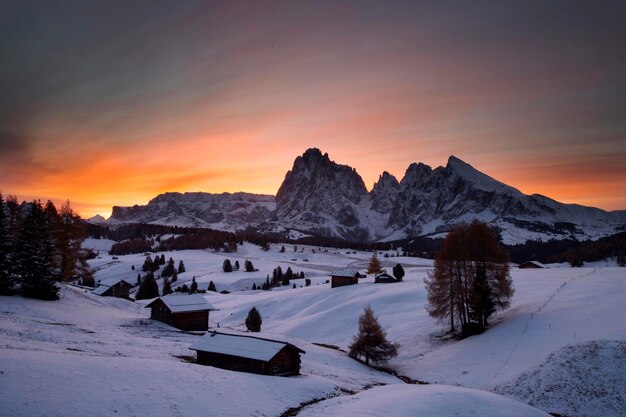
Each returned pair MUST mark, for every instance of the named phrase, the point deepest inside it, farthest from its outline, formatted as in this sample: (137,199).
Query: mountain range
(323,198)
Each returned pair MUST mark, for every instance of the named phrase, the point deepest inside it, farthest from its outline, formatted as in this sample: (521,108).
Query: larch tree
(371,341)
(374,266)
(471,278)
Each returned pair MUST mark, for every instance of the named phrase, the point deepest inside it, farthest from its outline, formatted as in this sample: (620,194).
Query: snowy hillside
(321,197)
(556,348)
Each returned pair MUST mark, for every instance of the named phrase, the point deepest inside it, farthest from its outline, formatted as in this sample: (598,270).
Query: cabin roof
(239,345)
(537,263)
(184,303)
(105,284)
(386,276)
(344,273)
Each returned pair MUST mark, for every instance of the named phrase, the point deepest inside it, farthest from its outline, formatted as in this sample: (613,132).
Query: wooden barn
(248,354)
(531,265)
(341,277)
(384,278)
(185,312)
(113,287)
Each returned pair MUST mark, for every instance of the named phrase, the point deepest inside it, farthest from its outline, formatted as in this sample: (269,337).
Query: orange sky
(111,104)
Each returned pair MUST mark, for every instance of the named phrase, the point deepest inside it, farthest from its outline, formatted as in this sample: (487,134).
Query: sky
(113,102)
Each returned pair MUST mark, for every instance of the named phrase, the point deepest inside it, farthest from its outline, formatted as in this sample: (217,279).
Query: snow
(185,303)
(423,400)
(238,345)
(558,347)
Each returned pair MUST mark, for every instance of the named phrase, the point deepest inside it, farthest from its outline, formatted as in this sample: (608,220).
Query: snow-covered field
(560,347)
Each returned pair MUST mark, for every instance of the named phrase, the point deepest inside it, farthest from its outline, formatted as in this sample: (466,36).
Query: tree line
(39,246)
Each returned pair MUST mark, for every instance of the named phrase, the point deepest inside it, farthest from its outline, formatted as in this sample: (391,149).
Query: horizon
(108,103)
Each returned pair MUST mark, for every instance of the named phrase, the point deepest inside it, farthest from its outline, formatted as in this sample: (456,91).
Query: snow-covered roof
(344,273)
(537,263)
(109,282)
(239,345)
(184,303)
(100,290)
(105,284)
(384,275)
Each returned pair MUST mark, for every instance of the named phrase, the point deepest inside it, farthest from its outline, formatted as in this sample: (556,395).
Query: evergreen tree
(162,259)
(289,273)
(371,341)
(277,276)
(6,277)
(282,249)
(267,282)
(181,267)
(236,267)
(301,274)
(174,276)
(398,272)
(147,264)
(212,287)
(248,267)
(138,279)
(194,285)
(169,268)
(167,287)
(374,266)
(254,321)
(148,288)
(36,254)
(227,266)
(254,286)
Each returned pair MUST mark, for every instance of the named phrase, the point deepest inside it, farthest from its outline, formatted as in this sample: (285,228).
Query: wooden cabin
(113,287)
(341,277)
(531,265)
(384,278)
(185,312)
(248,354)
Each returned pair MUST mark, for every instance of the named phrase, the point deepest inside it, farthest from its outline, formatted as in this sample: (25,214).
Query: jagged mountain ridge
(320,197)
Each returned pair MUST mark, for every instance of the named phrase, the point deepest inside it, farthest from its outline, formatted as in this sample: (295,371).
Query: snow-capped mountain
(224,211)
(321,197)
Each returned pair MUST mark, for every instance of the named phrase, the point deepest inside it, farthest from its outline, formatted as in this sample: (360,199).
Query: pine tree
(248,267)
(227,266)
(36,254)
(267,282)
(167,287)
(254,286)
(254,321)
(194,285)
(289,273)
(374,266)
(282,249)
(181,267)
(138,279)
(6,277)
(147,264)
(169,268)
(371,341)
(236,267)
(148,288)
(398,272)
(212,287)
(174,276)
(162,259)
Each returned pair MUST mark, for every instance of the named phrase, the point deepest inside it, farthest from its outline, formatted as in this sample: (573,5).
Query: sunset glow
(222,97)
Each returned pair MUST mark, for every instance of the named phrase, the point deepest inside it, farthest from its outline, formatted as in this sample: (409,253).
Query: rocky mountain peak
(384,192)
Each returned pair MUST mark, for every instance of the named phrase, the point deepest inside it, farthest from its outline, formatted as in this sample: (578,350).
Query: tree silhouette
(254,321)
(374,266)
(371,341)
